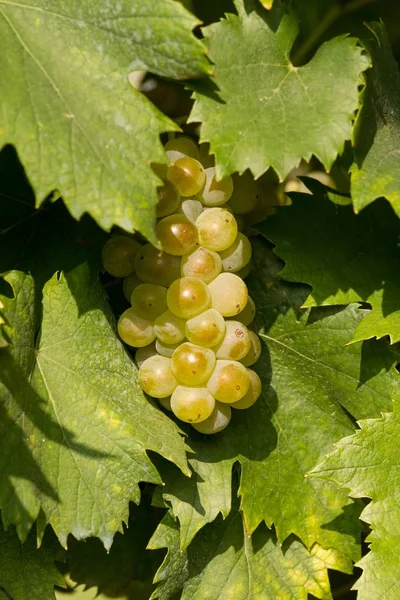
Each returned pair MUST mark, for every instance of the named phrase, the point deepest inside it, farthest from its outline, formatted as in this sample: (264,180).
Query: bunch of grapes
(190,316)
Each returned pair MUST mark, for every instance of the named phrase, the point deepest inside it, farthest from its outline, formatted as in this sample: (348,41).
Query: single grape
(252,394)
(191,208)
(187,174)
(236,342)
(217,229)
(188,297)
(169,328)
(217,421)
(176,235)
(144,353)
(206,329)
(246,193)
(202,263)
(243,273)
(156,377)
(192,404)
(181,147)
(191,364)
(149,300)
(168,199)
(229,381)
(165,403)
(229,294)
(215,193)
(118,255)
(154,266)
(129,284)
(238,255)
(246,316)
(206,159)
(134,330)
(254,352)
(166,349)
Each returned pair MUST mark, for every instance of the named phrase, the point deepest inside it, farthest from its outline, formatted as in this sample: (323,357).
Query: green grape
(229,381)
(246,316)
(206,159)
(166,349)
(215,193)
(202,263)
(229,294)
(206,329)
(168,199)
(144,353)
(181,147)
(241,222)
(134,330)
(252,394)
(177,235)
(245,271)
(192,404)
(217,421)
(191,208)
(188,297)
(254,352)
(238,255)
(191,364)
(217,229)
(169,328)
(165,403)
(149,300)
(236,342)
(154,266)
(160,169)
(129,284)
(246,193)
(188,175)
(118,255)
(156,377)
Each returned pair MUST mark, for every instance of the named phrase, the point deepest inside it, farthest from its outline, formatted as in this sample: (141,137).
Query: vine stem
(336,11)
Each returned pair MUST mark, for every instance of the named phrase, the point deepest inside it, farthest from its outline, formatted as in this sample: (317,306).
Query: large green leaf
(75,426)
(367,465)
(67,105)
(266,112)
(377,133)
(27,572)
(309,377)
(223,562)
(344,257)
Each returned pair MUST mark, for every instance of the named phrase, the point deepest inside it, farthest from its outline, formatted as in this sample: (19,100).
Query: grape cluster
(190,308)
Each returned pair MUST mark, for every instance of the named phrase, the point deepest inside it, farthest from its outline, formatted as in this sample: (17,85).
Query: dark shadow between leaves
(319,313)
(377,356)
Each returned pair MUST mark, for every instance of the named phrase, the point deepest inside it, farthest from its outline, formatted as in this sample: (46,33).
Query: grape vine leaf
(224,562)
(376,171)
(308,376)
(344,257)
(367,465)
(75,425)
(26,571)
(265,111)
(67,105)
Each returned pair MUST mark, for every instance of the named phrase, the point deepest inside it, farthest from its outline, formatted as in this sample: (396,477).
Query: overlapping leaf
(357,258)
(27,572)
(377,169)
(266,112)
(75,426)
(66,103)
(308,377)
(224,562)
(367,465)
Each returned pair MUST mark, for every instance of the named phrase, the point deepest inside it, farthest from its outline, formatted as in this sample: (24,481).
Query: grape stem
(338,10)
